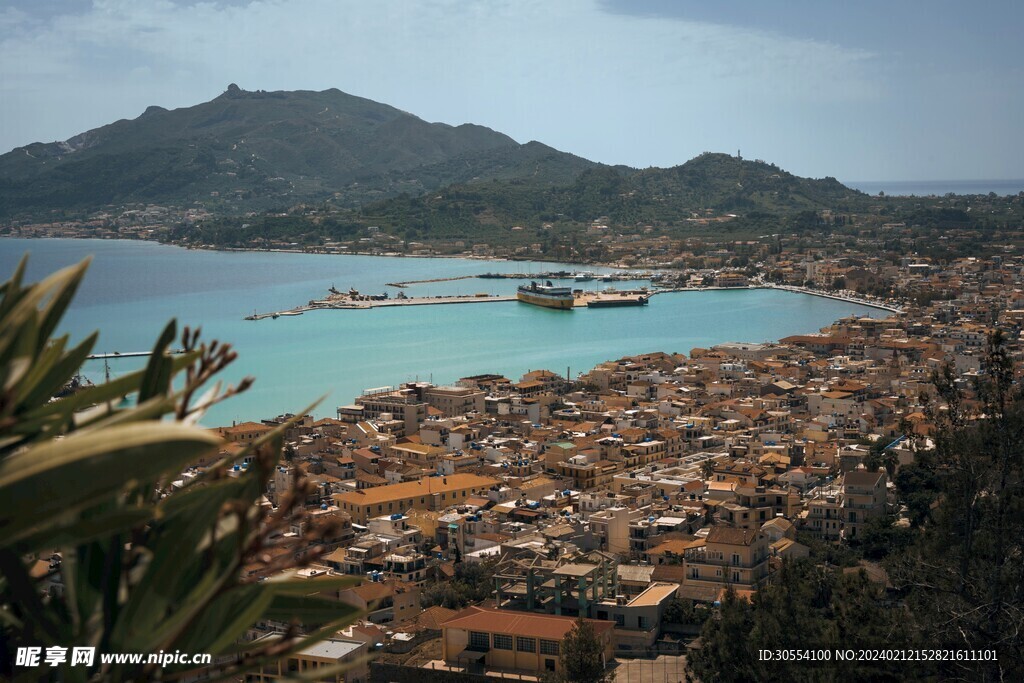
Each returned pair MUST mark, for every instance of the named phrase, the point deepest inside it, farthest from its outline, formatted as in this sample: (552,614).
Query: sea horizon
(925,188)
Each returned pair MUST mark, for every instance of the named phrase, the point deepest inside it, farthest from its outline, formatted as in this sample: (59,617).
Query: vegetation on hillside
(261,150)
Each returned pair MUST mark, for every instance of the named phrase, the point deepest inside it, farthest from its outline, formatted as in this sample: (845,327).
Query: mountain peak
(257,149)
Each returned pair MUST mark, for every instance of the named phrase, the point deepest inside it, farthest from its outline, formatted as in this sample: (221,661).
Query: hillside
(256,150)
(711,194)
(712,185)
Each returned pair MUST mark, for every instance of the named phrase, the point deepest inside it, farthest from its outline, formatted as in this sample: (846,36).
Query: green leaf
(75,530)
(61,299)
(27,307)
(63,410)
(226,619)
(46,380)
(85,469)
(307,610)
(160,611)
(313,586)
(157,378)
(11,290)
(179,568)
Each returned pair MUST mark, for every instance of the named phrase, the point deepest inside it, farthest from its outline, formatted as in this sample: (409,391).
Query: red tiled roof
(546,626)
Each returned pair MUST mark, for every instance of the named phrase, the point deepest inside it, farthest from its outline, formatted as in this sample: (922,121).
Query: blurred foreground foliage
(101,547)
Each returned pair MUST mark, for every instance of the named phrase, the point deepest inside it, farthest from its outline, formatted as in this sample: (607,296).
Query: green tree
(964,579)
(806,606)
(87,482)
(583,656)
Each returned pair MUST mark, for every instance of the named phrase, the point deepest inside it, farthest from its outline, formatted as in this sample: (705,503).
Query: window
(736,577)
(549,647)
(735,558)
(478,639)
(502,642)
(526,644)
(641,622)
(620,620)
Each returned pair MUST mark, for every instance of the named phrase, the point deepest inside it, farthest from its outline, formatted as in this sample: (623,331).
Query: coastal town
(486,516)
(583,342)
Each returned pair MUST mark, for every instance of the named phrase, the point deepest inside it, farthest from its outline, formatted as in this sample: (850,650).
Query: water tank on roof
(651,518)
(236,468)
(397,515)
(566,492)
(323,506)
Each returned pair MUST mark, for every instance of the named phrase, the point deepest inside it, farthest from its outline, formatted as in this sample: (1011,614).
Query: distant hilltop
(266,149)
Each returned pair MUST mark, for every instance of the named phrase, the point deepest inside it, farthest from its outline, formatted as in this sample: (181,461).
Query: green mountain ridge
(266,149)
(711,185)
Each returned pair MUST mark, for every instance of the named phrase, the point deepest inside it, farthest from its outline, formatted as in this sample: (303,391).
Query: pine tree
(583,655)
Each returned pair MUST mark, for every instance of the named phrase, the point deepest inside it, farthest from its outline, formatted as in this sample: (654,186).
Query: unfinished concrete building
(565,586)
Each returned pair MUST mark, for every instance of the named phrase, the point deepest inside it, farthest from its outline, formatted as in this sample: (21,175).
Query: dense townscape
(653,493)
(485,516)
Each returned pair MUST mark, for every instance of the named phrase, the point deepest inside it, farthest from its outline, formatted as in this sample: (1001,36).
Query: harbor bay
(134,287)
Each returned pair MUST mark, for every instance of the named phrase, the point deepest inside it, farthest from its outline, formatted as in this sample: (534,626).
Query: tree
(964,578)
(473,582)
(87,484)
(806,606)
(583,655)
(707,468)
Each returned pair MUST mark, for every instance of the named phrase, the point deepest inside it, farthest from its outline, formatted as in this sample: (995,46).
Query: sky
(866,90)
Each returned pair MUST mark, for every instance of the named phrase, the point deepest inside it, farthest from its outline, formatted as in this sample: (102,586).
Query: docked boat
(608,301)
(546,295)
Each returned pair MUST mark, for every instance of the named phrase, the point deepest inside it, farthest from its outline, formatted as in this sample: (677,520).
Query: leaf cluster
(136,561)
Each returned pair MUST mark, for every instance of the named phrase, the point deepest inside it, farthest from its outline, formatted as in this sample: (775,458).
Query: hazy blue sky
(868,90)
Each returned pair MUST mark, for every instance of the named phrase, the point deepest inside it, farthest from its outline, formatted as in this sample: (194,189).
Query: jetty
(129,354)
(343,302)
(435,279)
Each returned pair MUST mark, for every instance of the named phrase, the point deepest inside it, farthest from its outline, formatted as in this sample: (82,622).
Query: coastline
(871,303)
(348,305)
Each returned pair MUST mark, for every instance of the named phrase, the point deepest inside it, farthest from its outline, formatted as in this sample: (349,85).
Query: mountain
(710,185)
(254,150)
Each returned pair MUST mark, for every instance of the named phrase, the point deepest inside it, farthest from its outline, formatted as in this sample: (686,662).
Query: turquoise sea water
(133,288)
